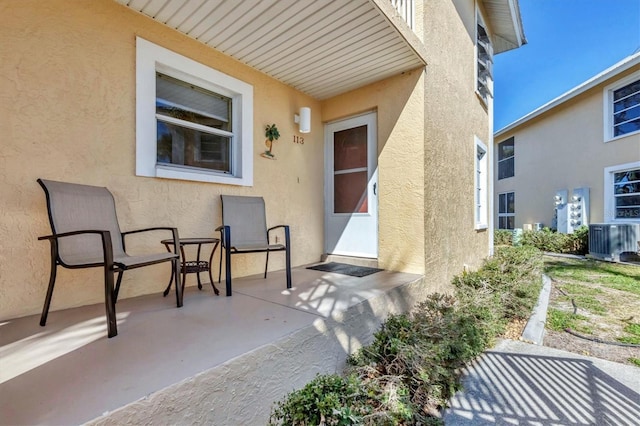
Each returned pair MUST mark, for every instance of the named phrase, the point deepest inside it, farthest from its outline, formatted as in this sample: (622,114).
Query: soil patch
(514,329)
(570,343)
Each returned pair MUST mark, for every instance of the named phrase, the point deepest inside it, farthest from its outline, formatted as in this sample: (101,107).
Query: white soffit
(506,24)
(320,47)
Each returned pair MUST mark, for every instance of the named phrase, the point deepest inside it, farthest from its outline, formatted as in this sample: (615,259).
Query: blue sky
(569,41)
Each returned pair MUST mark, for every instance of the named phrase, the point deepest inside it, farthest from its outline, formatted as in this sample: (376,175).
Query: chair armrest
(107,247)
(157,228)
(69,234)
(174,231)
(287,240)
(225,235)
(276,227)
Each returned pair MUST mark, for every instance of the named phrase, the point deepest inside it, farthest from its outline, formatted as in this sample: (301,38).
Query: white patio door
(351,187)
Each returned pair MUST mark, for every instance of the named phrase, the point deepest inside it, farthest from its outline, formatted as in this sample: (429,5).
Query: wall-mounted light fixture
(303,119)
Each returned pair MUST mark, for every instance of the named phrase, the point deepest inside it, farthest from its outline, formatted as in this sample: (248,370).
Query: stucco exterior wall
(564,149)
(454,114)
(67,111)
(399,104)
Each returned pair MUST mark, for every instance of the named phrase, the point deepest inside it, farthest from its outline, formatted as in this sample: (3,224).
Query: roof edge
(625,64)
(515,38)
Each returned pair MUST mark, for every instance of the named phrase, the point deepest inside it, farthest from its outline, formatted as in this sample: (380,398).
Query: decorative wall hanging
(271,132)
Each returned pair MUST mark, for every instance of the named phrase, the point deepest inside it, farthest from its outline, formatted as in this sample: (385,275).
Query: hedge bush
(413,366)
(548,240)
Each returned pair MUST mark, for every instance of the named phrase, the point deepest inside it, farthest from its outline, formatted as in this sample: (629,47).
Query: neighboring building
(90,91)
(576,159)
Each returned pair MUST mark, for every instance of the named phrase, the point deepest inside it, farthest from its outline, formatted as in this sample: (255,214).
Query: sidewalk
(518,383)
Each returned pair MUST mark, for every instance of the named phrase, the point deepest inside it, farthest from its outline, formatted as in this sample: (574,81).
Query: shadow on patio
(216,360)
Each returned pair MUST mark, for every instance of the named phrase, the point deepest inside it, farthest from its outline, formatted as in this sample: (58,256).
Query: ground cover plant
(413,366)
(547,240)
(594,302)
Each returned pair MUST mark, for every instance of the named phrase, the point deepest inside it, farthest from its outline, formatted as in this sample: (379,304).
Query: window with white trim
(506,210)
(481,185)
(506,158)
(193,122)
(622,192)
(484,60)
(622,107)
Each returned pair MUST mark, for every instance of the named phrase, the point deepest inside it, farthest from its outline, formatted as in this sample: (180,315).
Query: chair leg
(288,255)
(220,265)
(166,290)
(179,289)
(227,258)
(215,289)
(117,290)
(109,301)
(266,265)
(52,281)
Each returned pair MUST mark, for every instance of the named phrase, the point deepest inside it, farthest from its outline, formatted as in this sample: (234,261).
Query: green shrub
(547,240)
(419,357)
(413,366)
(502,237)
(511,279)
(580,243)
(327,399)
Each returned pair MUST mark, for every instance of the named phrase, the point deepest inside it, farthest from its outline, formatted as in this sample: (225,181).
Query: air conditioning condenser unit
(608,240)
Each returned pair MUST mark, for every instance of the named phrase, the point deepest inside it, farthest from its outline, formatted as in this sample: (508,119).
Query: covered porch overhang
(321,48)
(216,360)
(506,22)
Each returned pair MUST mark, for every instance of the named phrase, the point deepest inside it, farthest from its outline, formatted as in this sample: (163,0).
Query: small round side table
(193,266)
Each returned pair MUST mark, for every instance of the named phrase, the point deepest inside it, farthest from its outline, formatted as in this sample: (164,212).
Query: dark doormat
(343,268)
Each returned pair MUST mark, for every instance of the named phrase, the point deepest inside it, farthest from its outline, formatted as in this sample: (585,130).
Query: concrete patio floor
(217,360)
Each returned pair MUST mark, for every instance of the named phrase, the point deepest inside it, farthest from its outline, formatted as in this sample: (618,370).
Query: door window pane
(350,192)
(350,148)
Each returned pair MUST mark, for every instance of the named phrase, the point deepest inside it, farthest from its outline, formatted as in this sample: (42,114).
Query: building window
(506,159)
(193,122)
(506,210)
(622,107)
(622,192)
(484,60)
(481,185)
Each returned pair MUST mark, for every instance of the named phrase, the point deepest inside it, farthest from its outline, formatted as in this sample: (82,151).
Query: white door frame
(352,234)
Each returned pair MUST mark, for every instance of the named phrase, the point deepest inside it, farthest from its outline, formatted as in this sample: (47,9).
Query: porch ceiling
(322,48)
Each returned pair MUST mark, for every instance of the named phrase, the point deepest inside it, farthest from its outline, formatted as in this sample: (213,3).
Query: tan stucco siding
(399,106)
(564,149)
(454,114)
(67,110)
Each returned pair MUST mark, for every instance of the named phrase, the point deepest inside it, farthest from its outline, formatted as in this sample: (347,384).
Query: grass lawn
(598,299)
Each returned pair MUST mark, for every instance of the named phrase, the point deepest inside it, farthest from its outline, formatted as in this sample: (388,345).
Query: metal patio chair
(244,230)
(86,234)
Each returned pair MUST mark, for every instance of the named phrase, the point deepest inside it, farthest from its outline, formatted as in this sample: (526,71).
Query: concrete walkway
(518,383)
